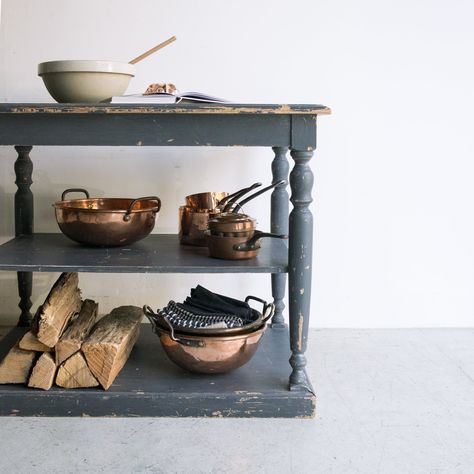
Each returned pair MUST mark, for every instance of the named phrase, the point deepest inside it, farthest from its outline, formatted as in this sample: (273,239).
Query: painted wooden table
(150,385)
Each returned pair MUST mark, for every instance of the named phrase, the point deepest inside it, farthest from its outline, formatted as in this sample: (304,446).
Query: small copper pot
(237,247)
(106,222)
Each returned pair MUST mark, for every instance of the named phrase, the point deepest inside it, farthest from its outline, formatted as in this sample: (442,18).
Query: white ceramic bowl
(85,81)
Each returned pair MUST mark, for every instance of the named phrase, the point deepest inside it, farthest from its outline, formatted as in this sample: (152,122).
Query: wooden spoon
(152,50)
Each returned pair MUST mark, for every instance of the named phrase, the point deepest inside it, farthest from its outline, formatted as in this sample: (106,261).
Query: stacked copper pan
(209,349)
(194,216)
(233,235)
(214,220)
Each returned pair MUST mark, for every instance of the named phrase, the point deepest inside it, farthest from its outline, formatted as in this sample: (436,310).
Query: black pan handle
(238,195)
(126,217)
(252,243)
(239,205)
(74,190)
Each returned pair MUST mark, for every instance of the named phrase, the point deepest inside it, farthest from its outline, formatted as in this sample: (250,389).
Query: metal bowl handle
(150,316)
(126,217)
(74,190)
(266,315)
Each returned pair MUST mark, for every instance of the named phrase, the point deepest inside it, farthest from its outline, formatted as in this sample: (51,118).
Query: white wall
(394,165)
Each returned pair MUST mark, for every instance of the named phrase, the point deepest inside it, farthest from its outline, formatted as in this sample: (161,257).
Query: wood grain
(62,302)
(42,375)
(74,373)
(109,344)
(16,366)
(29,342)
(77,331)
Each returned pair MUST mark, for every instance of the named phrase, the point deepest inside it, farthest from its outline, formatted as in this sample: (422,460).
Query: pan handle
(126,217)
(239,205)
(74,190)
(234,194)
(252,243)
(238,195)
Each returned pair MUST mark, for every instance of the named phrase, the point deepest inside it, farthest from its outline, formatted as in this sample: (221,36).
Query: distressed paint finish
(151,385)
(181,108)
(300,265)
(277,126)
(24,225)
(279,225)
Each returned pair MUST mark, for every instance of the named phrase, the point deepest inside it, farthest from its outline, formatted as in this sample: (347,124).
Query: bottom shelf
(151,385)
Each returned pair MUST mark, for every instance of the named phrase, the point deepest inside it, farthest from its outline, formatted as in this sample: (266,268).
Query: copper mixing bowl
(106,222)
(209,354)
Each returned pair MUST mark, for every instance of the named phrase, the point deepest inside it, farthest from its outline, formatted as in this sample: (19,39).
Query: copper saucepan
(106,222)
(237,247)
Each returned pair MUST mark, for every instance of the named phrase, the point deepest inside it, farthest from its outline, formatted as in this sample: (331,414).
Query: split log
(62,302)
(110,342)
(29,342)
(16,366)
(74,373)
(73,337)
(42,375)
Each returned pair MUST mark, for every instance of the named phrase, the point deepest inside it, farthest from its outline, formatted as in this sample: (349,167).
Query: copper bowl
(106,222)
(209,354)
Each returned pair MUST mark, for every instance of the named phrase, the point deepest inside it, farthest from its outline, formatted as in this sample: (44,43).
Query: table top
(181,108)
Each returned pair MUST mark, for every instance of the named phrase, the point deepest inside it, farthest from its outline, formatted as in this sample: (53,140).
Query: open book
(165,98)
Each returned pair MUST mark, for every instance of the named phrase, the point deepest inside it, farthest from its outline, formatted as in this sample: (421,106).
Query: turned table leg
(279,225)
(24,225)
(300,265)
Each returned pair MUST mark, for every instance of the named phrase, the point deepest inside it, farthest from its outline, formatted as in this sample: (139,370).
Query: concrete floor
(390,401)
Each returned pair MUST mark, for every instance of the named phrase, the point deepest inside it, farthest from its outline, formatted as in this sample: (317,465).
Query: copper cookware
(210,354)
(194,216)
(229,222)
(106,222)
(206,201)
(259,318)
(237,247)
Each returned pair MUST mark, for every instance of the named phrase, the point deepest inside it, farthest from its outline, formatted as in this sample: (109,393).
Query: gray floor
(390,401)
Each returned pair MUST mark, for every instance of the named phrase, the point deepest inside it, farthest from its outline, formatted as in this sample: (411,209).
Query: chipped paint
(234,109)
(301,291)
(300,332)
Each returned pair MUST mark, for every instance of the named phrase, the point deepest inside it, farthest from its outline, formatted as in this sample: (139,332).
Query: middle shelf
(157,253)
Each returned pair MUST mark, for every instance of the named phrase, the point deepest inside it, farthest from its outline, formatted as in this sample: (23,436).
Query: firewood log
(62,302)
(29,342)
(77,330)
(16,366)
(110,342)
(74,373)
(42,375)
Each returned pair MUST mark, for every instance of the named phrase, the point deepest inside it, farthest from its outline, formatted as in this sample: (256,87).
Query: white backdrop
(394,165)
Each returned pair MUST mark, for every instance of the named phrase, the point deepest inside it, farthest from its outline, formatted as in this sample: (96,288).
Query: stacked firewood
(69,345)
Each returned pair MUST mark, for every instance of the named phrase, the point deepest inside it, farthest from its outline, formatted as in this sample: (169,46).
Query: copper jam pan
(106,222)
(209,354)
